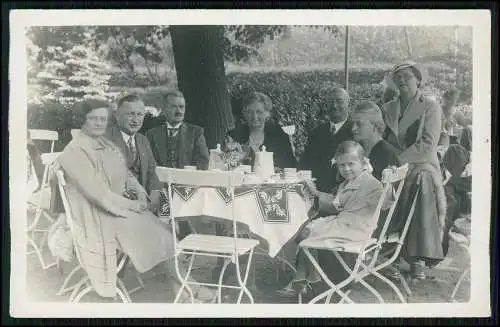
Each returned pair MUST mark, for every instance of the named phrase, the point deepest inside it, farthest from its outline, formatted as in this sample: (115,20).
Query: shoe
(287,291)
(417,270)
(393,273)
(205,295)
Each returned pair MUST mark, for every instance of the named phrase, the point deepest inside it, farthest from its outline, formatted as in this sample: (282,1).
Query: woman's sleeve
(79,167)
(133,184)
(430,136)
(284,146)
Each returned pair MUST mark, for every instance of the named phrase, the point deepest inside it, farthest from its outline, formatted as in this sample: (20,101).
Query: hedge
(296,95)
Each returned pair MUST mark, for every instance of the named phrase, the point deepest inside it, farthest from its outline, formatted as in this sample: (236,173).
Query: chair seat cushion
(217,244)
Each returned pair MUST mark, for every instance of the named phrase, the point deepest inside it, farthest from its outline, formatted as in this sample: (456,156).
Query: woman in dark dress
(258,130)
(367,128)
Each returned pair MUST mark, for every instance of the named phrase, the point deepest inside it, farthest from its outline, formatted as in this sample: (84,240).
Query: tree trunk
(199,63)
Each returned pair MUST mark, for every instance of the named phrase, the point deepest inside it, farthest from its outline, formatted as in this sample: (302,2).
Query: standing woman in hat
(414,126)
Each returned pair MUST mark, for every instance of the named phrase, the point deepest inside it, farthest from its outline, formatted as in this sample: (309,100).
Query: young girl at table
(352,209)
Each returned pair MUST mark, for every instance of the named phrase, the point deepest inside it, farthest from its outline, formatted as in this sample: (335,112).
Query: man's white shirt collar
(126,137)
(176,126)
(338,126)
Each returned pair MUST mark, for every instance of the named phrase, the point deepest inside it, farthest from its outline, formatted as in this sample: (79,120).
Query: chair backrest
(199,177)
(391,179)
(75,132)
(49,158)
(45,135)
(61,181)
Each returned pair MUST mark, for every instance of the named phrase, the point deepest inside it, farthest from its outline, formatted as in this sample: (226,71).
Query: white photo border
(480,20)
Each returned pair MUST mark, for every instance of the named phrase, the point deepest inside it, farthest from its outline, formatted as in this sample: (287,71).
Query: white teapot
(264,163)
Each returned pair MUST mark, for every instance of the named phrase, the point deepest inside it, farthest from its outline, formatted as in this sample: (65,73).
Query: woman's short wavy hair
(84,107)
(371,112)
(257,97)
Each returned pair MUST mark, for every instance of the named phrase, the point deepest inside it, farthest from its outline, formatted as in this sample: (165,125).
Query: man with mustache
(124,132)
(177,144)
(324,139)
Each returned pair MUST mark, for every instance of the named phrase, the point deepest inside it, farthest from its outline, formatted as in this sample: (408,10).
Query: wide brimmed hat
(418,69)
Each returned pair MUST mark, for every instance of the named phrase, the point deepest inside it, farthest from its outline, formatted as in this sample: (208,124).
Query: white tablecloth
(275,212)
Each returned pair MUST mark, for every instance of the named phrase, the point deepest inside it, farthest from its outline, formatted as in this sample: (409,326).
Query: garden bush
(296,95)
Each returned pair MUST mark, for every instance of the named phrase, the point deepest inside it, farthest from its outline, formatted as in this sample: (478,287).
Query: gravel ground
(42,284)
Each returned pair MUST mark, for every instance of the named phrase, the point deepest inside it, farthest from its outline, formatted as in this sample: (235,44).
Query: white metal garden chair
(45,135)
(38,201)
(228,247)
(462,241)
(83,287)
(371,258)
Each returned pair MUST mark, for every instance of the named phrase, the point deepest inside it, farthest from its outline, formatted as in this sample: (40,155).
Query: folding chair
(463,241)
(84,286)
(45,135)
(370,258)
(229,248)
(33,228)
(284,263)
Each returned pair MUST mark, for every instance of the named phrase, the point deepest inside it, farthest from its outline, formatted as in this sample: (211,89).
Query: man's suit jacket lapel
(181,149)
(115,135)
(161,143)
(141,149)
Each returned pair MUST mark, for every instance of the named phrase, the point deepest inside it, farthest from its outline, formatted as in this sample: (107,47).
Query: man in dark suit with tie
(323,141)
(123,131)
(317,157)
(177,143)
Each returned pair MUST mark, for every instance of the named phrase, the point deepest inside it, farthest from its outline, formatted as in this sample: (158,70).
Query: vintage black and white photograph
(226,159)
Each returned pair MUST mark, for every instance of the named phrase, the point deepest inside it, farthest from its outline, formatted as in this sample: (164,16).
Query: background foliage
(292,64)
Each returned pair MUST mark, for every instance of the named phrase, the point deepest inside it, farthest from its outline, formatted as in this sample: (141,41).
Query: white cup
(190,167)
(246,169)
(305,174)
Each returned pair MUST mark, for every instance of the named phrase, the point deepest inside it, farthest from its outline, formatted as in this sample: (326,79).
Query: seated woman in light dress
(105,219)
(353,208)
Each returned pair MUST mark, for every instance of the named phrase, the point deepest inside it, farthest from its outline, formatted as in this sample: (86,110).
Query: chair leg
(77,288)
(82,294)
(333,288)
(121,287)
(221,276)
(122,296)
(243,282)
(391,284)
(459,282)
(185,279)
(63,288)
(38,252)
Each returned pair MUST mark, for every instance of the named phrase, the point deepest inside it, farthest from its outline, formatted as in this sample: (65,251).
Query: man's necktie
(131,149)
(333,129)
(172,131)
